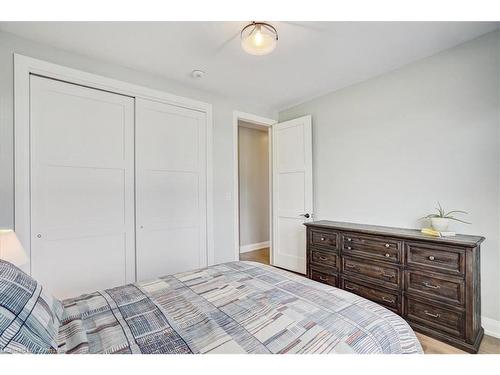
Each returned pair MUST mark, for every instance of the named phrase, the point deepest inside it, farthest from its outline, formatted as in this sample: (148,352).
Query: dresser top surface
(459,239)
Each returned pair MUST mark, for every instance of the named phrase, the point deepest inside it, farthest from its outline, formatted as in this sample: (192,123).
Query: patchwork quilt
(238,307)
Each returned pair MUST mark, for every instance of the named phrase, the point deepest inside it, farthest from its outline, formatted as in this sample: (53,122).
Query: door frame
(24,66)
(263,122)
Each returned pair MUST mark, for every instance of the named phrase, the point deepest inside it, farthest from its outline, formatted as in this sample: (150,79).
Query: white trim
(491,327)
(254,119)
(254,246)
(210,188)
(23,67)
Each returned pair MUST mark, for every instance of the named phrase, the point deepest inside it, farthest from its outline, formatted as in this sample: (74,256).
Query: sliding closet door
(170,189)
(82,181)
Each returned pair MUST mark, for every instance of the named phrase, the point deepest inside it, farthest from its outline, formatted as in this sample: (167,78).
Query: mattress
(237,307)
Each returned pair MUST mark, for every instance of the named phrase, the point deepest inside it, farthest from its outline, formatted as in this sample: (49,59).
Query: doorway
(253,230)
(290,193)
(254,186)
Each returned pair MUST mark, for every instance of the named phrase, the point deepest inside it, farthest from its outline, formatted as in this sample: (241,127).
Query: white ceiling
(312,58)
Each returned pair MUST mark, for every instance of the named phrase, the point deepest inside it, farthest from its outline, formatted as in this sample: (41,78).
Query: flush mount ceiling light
(259,38)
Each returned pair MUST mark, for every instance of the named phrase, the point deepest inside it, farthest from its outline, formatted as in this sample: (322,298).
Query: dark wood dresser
(433,283)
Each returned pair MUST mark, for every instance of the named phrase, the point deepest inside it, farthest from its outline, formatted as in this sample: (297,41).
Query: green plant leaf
(440,210)
(430,216)
(462,221)
(441,213)
(456,211)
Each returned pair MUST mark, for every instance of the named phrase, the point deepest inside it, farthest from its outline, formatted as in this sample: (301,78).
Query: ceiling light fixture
(259,38)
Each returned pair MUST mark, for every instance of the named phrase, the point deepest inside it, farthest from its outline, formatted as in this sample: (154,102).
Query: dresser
(433,283)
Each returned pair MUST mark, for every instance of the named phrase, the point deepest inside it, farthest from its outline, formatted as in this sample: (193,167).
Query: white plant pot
(440,223)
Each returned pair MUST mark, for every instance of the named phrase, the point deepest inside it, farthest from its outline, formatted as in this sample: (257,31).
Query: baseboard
(253,246)
(491,327)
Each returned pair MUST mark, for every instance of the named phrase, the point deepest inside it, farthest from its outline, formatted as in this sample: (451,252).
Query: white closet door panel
(80,128)
(82,187)
(83,263)
(167,251)
(99,204)
(172,197)
(170,189)
(171,137)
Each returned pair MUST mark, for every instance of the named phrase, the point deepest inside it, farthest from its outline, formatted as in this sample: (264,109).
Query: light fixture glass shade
(259,38)
(11,249)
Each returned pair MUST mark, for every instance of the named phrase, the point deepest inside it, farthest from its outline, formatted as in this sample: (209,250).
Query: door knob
(307,216)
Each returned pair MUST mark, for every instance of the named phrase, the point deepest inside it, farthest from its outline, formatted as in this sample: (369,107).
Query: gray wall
(253,185)
(387,149)
(223,132)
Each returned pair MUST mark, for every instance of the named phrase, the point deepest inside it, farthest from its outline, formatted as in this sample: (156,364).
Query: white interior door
(82,187)
(292,192)
(171,188)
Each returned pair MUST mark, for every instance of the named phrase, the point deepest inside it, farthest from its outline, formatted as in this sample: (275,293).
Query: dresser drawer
(373,293)
(439,318)
(435,257)
(436,286)
(374,247)
(324,258)
(388,275)
(324,239)
(324,278)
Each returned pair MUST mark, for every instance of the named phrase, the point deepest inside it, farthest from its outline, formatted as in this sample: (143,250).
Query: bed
(237,307)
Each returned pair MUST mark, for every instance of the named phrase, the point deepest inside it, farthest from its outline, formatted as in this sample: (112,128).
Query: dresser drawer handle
(352,266)
(431,257)
(348,287)
(390,276)
(323,278)
(349,239)
(387,245)
(387,255)
(431,314)
(427,285)
(348,248)
(322,238)
(323,258)
(388,299)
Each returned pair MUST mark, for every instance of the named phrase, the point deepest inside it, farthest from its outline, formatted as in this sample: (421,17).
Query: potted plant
(441,219)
